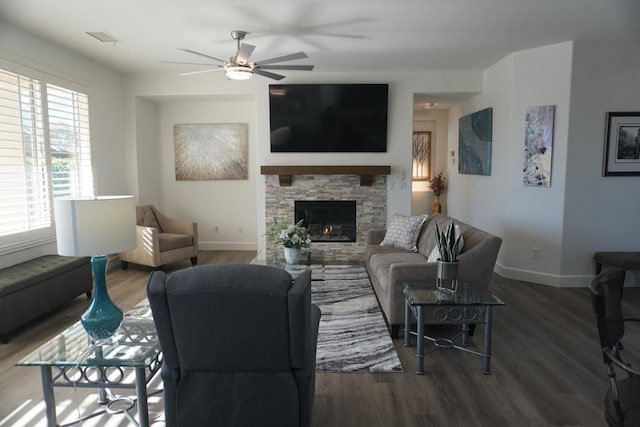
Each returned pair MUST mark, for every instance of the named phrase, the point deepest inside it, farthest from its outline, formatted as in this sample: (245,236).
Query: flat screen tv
(328,117)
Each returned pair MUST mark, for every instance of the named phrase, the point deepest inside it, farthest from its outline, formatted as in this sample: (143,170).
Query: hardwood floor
(546,366)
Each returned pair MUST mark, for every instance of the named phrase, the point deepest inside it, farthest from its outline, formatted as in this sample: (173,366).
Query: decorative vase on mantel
(292,255)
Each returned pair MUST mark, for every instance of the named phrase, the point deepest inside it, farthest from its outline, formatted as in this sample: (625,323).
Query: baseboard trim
(542,278)
(228,246)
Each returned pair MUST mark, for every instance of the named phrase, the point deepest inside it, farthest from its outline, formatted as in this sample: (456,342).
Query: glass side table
(310,259)
(471,304)
(72,359)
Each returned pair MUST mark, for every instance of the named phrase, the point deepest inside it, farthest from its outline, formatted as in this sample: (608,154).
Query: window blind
(68,114)
(45,150)
(24,182)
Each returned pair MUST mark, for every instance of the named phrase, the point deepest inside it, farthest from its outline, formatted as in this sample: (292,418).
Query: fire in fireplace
(328,220)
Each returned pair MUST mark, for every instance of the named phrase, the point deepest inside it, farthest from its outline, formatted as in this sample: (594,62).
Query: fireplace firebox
(328,220)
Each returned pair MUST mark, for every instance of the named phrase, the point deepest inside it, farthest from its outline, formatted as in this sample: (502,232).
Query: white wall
(148,179)
(601,213)
(525,217)
(167,89)
(534,215)
(225,210)
(104,87)
(475,199)
(569,221)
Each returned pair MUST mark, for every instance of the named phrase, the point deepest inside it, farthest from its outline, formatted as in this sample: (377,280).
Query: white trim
(228,246)
(568,281)
(26,244)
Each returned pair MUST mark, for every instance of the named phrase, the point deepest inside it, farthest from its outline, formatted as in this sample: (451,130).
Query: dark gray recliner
(239,345)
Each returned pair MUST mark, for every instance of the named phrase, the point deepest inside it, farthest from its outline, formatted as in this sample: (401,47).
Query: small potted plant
(448,244)
(438,186)
(293,238)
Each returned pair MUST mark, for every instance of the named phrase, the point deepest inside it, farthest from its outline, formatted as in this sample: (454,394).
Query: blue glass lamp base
(103,318)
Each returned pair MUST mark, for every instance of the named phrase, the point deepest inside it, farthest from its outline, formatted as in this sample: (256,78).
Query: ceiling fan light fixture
(239,73)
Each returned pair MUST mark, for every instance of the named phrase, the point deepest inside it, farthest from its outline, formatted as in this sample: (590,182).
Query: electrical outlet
(217,229)
(535,253)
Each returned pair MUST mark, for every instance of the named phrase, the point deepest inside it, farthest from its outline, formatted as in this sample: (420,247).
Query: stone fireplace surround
(371,207)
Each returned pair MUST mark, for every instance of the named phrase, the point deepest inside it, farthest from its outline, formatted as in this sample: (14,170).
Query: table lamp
(97,227)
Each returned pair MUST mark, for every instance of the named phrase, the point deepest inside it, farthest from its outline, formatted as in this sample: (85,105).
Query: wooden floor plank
(546,366)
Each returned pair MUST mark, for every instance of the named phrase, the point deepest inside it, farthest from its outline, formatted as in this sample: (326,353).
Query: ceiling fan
(240,68)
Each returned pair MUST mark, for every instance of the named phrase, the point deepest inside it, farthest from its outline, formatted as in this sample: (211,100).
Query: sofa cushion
(170,241)
(146,217)
(403,232)
(381,262)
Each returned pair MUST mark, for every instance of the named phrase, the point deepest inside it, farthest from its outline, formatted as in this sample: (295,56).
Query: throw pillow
(403,232)
(435,253)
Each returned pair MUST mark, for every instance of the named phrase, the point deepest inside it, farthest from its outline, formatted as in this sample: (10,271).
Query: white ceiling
(338,35)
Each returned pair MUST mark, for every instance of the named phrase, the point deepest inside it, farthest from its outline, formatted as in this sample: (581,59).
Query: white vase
(292,255)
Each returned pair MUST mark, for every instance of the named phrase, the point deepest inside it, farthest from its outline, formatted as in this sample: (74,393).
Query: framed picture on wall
(622,144)
(538,146)
(421,156)
(475,136)
(211,151)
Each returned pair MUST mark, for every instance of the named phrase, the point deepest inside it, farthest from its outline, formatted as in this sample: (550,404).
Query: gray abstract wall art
(211,151)
(474,142)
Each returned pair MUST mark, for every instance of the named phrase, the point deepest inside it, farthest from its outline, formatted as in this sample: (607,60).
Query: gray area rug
(353,336)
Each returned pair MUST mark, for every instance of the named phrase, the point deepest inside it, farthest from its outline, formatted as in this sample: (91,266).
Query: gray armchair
(239,345)
(161,240)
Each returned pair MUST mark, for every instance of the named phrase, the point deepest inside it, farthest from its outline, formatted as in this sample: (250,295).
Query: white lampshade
(99,226)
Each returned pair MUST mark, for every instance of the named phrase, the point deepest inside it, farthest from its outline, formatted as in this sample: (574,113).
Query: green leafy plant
(276,228)
(447,242)
(290,235)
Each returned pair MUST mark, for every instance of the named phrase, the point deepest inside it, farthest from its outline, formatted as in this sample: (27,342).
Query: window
(44,150)
(68,113)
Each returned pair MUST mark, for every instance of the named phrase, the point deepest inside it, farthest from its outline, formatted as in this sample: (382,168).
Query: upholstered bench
(35,287)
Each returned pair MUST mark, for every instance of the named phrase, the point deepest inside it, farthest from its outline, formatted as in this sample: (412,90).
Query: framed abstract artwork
(538,146)
(211,151)
(474,142)
(421,156)
(622,144)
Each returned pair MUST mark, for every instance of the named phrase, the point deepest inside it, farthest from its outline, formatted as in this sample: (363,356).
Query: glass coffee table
(310,259)
(471,304)
(72,359)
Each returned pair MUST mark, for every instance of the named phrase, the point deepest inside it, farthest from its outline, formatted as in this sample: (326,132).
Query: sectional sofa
(390,266)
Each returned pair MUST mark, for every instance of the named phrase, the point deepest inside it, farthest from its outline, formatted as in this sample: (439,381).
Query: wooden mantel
(286,173)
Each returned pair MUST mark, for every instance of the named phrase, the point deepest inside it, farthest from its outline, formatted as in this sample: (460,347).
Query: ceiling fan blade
(287,67)
(189,73)
(201,54)
(273,76)
(189,63)
(290,57)
(244,53)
